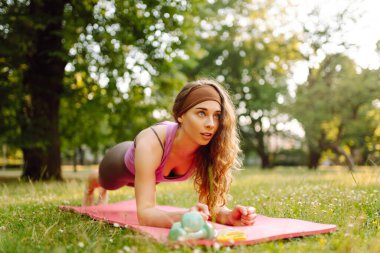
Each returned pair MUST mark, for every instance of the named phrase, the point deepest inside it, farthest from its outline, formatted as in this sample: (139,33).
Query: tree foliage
(336,107)
(94,72)
(238,46)
(91,59)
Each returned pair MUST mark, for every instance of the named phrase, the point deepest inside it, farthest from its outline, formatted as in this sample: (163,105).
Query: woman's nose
(210,123)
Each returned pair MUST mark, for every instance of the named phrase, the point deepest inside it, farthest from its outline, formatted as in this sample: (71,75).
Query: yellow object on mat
(228,236)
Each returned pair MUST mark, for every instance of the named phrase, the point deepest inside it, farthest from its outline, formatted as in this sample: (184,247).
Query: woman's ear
(180,119)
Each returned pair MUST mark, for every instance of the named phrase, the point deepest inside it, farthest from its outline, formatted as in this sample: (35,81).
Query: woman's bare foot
(91,185)
(103,196)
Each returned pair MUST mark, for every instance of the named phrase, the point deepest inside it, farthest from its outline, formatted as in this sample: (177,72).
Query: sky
(364,33)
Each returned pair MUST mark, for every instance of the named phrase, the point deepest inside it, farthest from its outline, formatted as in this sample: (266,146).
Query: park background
(76,77)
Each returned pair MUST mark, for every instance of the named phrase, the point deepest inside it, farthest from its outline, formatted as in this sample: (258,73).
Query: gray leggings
(113,173)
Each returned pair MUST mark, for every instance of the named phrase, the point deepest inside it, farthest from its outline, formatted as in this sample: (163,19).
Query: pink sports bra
(129,157)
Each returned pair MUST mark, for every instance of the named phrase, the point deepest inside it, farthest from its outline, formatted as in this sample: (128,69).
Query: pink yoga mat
(265,228)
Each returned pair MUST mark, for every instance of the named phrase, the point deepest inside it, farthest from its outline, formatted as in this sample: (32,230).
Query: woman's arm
(148,155)
(239,216)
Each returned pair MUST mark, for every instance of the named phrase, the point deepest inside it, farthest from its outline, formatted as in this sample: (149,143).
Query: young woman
(203,143)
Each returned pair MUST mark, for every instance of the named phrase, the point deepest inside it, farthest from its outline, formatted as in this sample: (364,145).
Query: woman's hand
(203,209)
(242,216)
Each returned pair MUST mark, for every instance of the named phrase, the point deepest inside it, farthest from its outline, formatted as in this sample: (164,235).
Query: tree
(238,46)
(334,108)
(90,39)
(36,29)
(321,36)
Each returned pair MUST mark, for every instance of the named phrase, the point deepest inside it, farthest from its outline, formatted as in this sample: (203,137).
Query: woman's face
(201,122)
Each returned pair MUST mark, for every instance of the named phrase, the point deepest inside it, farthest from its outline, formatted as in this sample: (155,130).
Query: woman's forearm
(158,218)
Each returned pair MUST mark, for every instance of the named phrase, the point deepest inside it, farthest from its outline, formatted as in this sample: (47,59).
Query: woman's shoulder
(149,137)
(163,129)
(164,126)
(166,123)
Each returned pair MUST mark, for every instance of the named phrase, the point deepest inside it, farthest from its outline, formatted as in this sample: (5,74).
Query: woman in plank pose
(202,142)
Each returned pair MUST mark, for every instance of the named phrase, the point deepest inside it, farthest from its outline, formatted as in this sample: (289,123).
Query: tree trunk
(360,155)
(81,155)
(75,160)
(265,161)
(262,150)
(364,157)
(43,85)
(314,157)
(350,163)
(5,160)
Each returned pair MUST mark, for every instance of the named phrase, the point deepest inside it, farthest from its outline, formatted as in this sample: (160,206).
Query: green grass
(30,220)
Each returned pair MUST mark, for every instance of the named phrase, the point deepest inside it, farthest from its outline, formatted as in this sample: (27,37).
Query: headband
(199,94)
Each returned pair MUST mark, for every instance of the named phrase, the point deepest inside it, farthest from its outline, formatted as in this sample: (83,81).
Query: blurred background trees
(83,67)
(337,111)
(243,50)
(76,77)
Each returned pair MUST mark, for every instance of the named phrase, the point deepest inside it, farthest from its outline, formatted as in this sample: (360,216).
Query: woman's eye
(217,116)
(201,114)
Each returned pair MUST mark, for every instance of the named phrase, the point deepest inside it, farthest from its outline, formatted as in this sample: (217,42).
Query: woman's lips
(206,136)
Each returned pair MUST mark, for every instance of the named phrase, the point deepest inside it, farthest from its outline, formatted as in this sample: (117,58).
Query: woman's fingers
(248,219)
(241,209)
(203,209)
(247,215)
(251,210)
(245,210)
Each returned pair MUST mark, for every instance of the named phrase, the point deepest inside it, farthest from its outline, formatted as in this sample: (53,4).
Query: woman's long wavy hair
(216,160)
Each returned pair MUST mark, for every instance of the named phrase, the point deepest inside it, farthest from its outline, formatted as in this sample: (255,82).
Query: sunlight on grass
(31,222)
